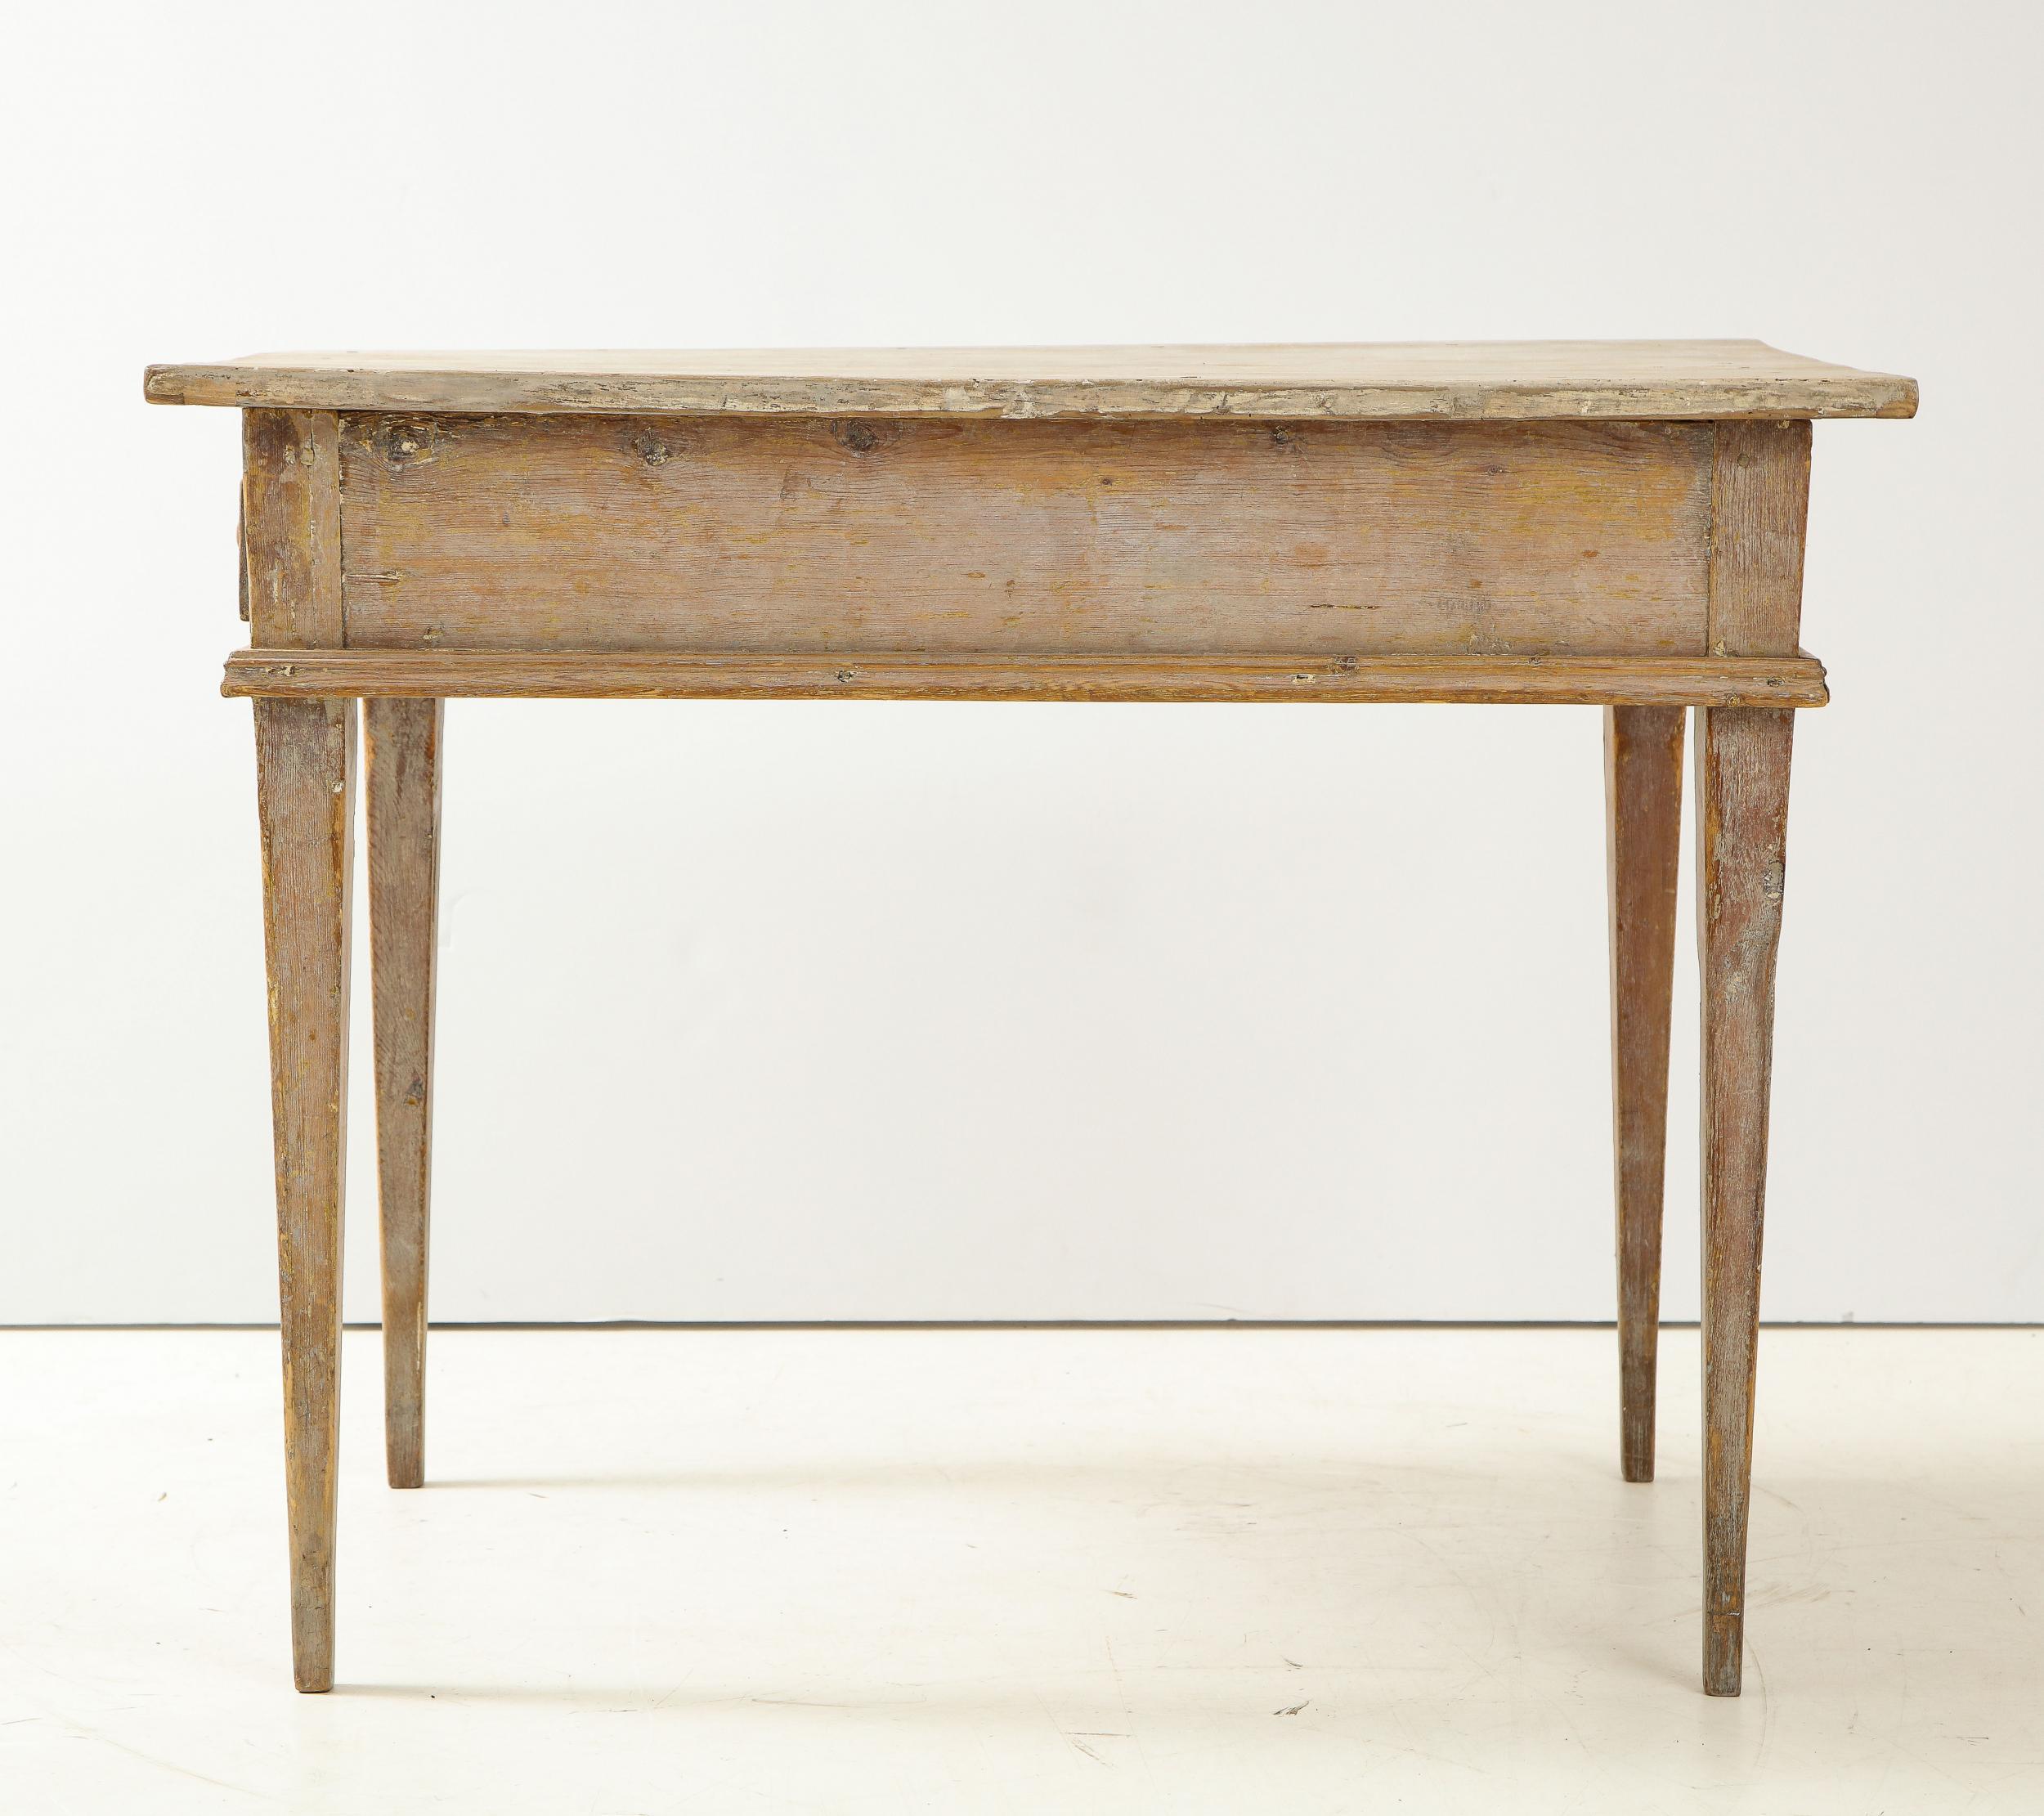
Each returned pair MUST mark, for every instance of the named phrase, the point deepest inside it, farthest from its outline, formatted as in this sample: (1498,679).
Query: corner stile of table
(1619,525)
(305,774)
(1761,488)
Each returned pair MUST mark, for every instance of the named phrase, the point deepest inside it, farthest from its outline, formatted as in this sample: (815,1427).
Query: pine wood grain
(305,788)
(1759,509)
(1498,381)
(1578,680)
(1742,775)
(402,745)
(1643,791)
(291,528)
(635,533)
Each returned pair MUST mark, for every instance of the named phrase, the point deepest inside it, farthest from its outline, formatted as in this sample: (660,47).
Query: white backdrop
(925,1011)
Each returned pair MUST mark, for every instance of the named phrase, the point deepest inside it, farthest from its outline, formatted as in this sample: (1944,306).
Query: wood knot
(651,448)
(860,438)
(401,442)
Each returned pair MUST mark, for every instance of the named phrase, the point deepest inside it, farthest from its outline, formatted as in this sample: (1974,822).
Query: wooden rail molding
(1551,680)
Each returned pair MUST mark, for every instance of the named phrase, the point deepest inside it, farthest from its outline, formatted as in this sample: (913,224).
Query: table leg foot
(1743,778)
(305,786)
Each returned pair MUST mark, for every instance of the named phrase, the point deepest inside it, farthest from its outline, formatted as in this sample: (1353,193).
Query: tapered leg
(1742,780)
(305,764)
(1642,800)
(403,740)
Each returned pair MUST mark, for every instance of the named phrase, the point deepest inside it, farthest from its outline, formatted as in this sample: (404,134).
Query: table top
(1496,381)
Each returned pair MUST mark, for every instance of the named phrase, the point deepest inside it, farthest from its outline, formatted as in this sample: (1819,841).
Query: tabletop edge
(1806,388)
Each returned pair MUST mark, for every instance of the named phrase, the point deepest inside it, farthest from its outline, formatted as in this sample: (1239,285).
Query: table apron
(1604,563)
(1160,538)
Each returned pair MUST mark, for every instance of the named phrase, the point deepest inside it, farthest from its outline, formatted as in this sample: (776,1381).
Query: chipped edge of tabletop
(1853,394)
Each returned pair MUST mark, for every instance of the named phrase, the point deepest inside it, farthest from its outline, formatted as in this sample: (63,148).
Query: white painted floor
(967,1571)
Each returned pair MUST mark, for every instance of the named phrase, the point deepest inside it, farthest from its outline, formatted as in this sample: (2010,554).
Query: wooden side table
(1604,523)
